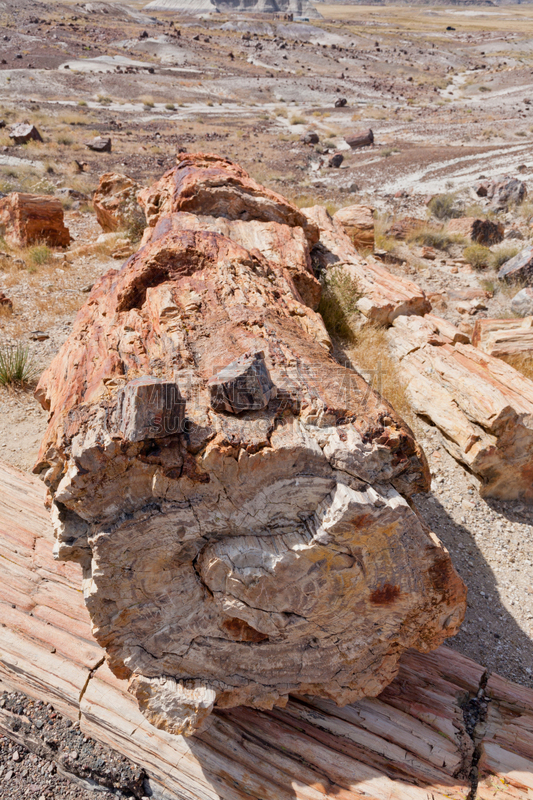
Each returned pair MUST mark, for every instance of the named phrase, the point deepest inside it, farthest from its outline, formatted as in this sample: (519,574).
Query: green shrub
(338,305)
(477,256)
(38,255)
(16,365)
(170,106)
(443,206)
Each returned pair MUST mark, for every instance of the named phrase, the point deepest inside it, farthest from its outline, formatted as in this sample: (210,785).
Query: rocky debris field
(46,756)
(449,110)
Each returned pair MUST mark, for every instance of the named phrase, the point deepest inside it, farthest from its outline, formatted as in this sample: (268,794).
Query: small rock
(519,268)
(22,132)
(16,756)
(5,302)
(310,138)
(429,253)
(522,303)
(336,160)
(100,144)
(340,102)
(38,336)
(360,139)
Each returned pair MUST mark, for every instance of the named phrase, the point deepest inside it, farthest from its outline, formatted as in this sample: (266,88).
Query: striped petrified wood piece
(410,743)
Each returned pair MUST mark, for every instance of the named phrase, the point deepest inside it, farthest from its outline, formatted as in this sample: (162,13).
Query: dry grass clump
(37,255)
(430,237)
(16,365)
(338,305)
(296,120)
(381,240)
(443,206)
(505,252)
(522,363)
(369,353)
(478,256)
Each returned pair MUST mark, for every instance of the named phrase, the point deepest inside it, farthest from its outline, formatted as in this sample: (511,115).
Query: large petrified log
(206,184)
(284,246)
(30,218)
(482,406)
(234,495)
(384,296)
(410,743)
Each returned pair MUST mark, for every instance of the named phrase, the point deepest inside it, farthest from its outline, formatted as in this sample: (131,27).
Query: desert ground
(448,95)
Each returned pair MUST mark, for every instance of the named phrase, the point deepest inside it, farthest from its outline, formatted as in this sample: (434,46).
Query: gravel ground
(47,757)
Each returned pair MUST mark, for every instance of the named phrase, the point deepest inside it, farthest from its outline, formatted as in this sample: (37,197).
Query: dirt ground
(447,93)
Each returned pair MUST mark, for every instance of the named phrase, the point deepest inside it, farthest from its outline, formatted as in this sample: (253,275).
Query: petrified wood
(284,246)
(206,184)
(30,218)
(360,139)
(504,337)
(482,406)
(384,296)
(410,743)
(115,202)
(258,550)
(358,222)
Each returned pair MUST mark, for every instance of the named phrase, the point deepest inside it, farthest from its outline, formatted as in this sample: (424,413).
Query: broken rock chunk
(149,408)
(244,385)
(21,133)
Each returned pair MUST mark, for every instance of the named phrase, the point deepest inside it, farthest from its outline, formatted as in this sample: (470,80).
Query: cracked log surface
(234,556)
(412,742)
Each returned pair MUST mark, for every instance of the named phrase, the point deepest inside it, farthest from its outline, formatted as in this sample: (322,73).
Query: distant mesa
(298,8)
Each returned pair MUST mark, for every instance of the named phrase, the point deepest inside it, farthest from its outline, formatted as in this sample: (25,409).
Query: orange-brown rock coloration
(115,202)
(358,222)
(32,218)
(236,498)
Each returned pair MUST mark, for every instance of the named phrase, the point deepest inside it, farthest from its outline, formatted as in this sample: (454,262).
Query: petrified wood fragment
(256,551)
(482,406)
(115,202)
(29,218)
(483,231)
(504,337)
